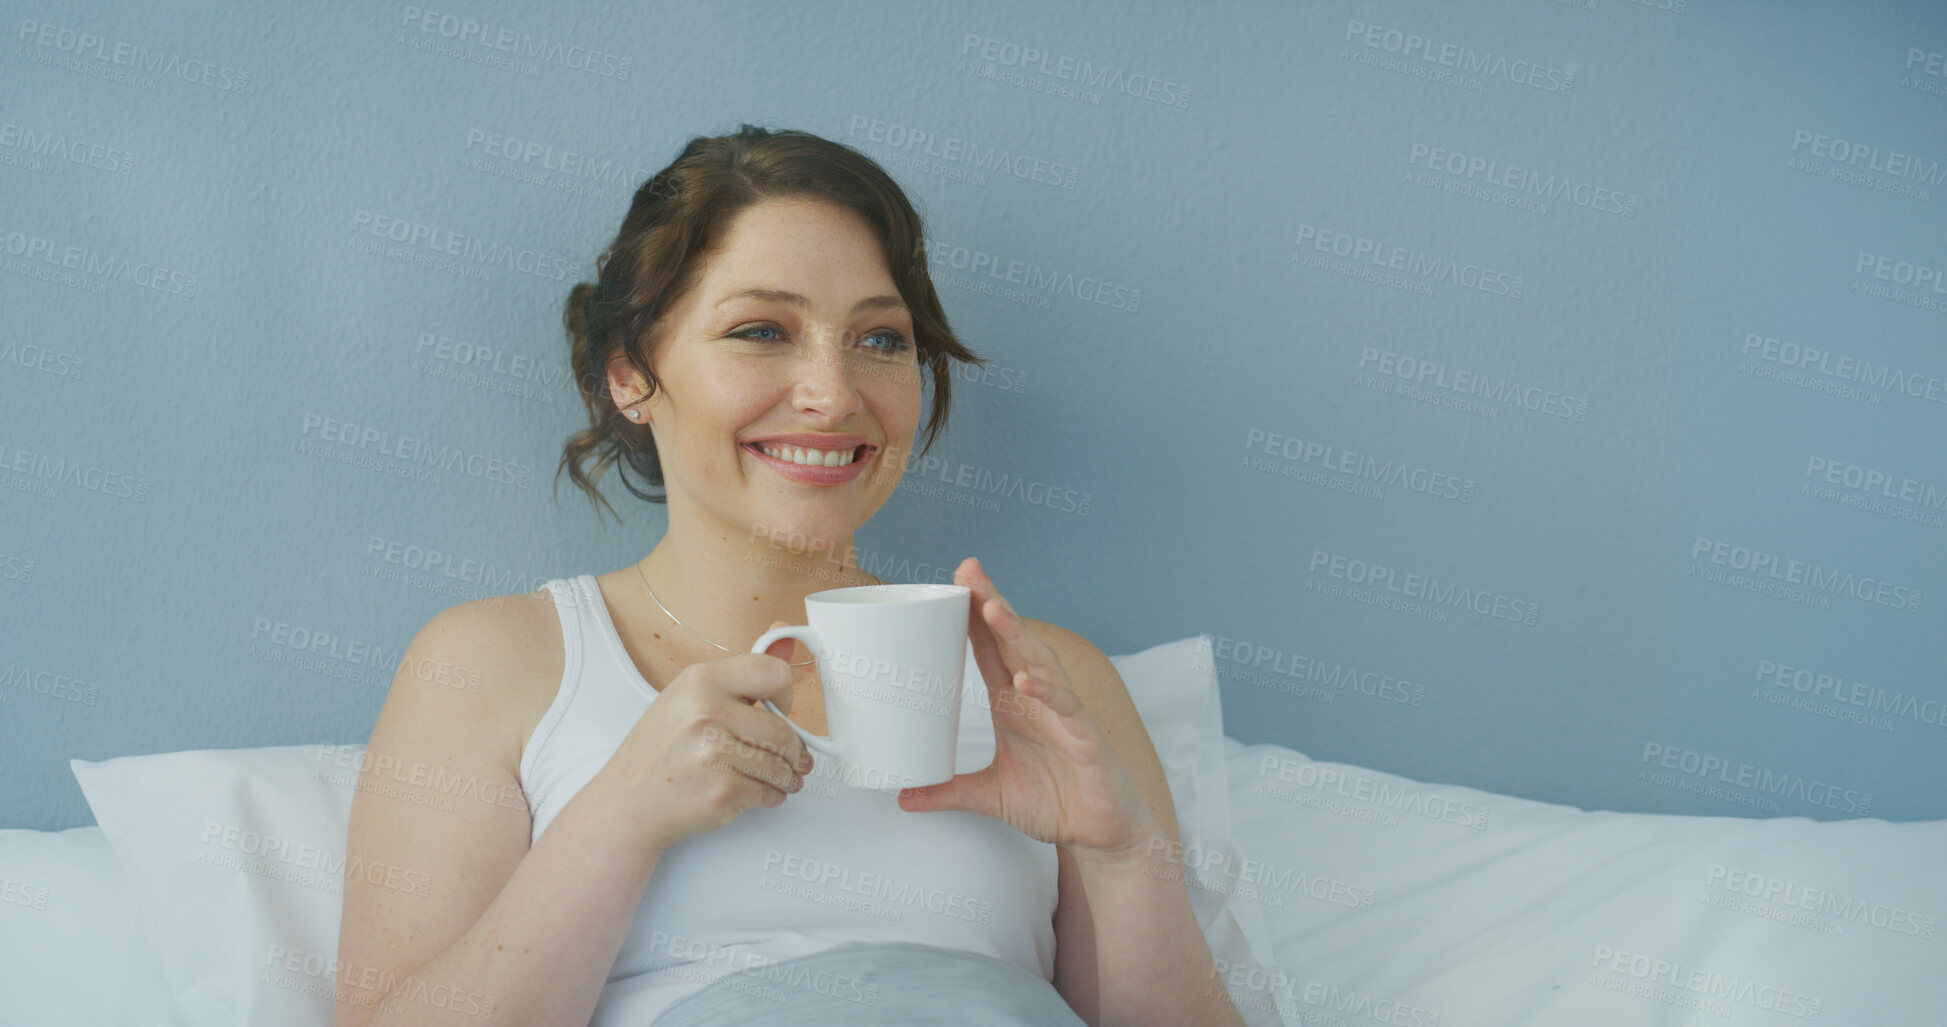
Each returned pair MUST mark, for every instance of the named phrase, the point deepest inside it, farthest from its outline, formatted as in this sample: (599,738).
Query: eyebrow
(781,296)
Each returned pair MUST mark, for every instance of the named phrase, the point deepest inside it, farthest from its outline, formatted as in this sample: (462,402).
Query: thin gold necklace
(691,630)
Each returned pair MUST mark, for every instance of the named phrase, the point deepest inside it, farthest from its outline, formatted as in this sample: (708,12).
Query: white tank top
(832,864)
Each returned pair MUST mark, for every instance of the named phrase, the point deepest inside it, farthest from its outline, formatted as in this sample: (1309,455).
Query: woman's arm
(1073,766)
(1128,948)
(491,931)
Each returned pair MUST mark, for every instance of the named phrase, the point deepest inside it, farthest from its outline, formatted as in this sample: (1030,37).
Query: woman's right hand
(707,749)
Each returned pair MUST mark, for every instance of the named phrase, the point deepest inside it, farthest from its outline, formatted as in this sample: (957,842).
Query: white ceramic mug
(890,663)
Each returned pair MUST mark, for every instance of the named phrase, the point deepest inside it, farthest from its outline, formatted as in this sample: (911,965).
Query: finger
(978,792)
(754,677)
(1017,654)
(783,649)
(758,762)
(760,729)
(1020,648)
(771,770)
(987,650)
(1052,694)
(728,752)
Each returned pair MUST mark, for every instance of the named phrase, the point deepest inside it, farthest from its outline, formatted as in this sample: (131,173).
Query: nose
(824,384)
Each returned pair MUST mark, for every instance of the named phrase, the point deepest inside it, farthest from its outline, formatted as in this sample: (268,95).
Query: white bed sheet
(1436,906)
(69,953)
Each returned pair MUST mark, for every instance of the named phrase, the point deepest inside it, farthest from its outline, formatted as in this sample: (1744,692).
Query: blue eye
(897,345)
(896,341)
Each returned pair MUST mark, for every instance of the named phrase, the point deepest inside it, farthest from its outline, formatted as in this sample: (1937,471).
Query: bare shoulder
(501,657)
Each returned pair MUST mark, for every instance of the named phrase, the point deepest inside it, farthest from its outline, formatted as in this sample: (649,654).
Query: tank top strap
(545,763)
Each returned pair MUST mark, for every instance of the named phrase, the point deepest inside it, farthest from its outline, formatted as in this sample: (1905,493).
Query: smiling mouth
(804,457)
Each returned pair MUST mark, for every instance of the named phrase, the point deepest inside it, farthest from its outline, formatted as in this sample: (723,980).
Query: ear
(625,384)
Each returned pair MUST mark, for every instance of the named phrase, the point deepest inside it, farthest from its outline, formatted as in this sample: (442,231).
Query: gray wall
(1540,396)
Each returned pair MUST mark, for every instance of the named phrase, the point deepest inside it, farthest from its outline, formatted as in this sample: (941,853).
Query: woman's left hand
(1055,777)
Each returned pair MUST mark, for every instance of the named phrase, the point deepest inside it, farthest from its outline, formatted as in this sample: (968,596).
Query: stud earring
(635,415)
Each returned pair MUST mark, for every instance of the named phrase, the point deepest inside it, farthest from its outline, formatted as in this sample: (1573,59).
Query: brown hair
(679,214)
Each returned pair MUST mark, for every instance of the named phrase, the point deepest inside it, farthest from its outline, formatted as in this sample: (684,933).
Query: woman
(768,290)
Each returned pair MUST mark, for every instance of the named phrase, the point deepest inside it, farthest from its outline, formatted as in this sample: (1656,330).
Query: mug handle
(809,636)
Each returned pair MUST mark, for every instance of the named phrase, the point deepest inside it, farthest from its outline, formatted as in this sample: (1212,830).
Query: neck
(729,586)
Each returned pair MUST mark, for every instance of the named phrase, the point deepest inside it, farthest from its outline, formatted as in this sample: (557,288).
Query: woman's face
(743,364)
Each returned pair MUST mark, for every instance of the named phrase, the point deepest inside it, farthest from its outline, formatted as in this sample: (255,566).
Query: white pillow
(69,953)
(236,856)
(236,860)
(1425,904)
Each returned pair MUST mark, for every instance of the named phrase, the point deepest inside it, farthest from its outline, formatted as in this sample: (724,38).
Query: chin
(805,531)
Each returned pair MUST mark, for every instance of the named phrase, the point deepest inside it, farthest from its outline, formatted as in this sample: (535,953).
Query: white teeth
(809,457)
